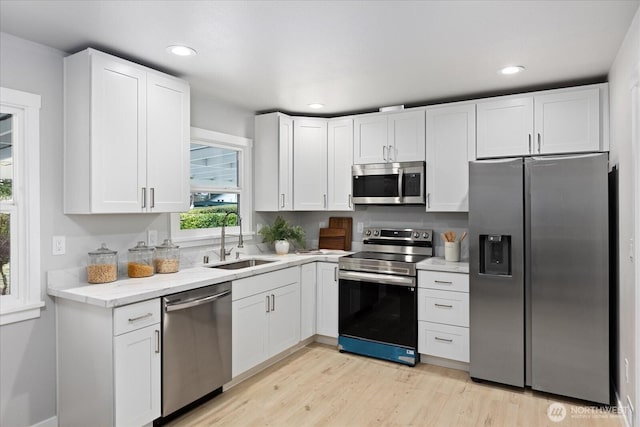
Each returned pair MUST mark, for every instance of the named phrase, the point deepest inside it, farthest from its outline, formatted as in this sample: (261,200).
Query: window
(19,206)
(220,171)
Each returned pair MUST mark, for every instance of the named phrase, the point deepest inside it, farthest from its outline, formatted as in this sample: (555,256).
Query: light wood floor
(319,386)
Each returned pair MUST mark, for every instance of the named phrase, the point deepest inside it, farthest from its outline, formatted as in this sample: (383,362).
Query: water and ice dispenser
(495,254)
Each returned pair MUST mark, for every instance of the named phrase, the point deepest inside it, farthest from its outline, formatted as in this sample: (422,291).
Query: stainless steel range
(378,298)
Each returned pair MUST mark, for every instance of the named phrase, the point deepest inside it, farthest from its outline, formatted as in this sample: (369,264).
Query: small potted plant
(280,233)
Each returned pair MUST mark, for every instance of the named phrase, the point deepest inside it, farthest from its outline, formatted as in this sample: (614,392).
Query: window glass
(6,195)
(212,166)
(6,157)
(208,209)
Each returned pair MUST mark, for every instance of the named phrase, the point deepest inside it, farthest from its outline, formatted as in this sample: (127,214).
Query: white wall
(27,349)
(622,75)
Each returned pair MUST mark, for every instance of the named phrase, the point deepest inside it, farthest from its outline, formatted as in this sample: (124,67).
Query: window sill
(20,313)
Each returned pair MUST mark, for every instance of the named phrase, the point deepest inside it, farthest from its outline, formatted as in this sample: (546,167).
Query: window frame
(191,238)
(25,300)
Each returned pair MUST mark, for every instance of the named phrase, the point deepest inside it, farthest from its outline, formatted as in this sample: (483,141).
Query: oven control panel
(398,234)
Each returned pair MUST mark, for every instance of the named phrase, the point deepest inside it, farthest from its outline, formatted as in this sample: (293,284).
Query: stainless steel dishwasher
(196,346)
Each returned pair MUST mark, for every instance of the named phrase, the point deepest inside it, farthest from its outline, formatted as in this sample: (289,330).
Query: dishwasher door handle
(193,303)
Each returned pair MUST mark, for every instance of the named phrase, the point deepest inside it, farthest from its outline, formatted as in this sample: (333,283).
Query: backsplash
(375,216)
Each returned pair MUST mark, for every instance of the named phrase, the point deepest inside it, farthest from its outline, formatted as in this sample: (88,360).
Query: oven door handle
(400,183)
(384,279)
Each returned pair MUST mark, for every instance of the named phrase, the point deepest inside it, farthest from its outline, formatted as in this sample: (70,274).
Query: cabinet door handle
(529,143)
(335,274)
(144,197)
(268,305)
(157,341)
(273,302)
(135,319)
(384,152)
(428,200)
(443,305)
(539,139)
(389,151)
(442,339)
(350,202)
(324,198)
(282,202)
(442,282)
(153,197)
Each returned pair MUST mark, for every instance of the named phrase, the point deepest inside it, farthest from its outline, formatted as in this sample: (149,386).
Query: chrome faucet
(223,251)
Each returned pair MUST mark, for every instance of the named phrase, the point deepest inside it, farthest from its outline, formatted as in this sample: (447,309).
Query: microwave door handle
(400,179)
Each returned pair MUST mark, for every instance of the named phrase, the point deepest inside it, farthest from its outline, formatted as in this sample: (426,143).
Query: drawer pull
(442,282)
(157,341)
(144,316)
(443,339)
(443,305)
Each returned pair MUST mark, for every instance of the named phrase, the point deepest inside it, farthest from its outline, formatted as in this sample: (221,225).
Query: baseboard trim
(49,422)
(445,363)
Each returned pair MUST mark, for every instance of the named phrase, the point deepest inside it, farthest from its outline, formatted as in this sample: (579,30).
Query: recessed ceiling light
(316,105)
(512,69)
(181,50)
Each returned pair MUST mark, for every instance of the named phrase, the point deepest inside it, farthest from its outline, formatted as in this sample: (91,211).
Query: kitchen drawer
(135,316)
(249,286)
(448,342)
(451,308)
(444,281)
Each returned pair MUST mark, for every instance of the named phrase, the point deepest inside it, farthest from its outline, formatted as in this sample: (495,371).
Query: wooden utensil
(332,238)
(463,236)
(347,224)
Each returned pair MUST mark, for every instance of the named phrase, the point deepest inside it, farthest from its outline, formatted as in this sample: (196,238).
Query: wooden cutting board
(332,238)
(347,224)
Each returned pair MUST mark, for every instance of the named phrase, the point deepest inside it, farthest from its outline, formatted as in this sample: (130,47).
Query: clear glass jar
(167,258)
(102,265)
(140,261)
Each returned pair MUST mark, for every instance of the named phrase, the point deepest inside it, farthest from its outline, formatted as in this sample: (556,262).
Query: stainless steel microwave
(389,183)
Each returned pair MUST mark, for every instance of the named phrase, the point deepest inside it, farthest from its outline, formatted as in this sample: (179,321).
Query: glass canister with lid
(102,266)
(140,261)
(167,258)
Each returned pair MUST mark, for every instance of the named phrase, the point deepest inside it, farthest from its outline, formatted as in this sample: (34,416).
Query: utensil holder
(452,251)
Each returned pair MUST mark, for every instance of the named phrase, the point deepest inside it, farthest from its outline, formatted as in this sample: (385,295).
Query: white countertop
(71,283)
(439,264)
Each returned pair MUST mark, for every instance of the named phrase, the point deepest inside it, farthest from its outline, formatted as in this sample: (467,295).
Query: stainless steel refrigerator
(539,274)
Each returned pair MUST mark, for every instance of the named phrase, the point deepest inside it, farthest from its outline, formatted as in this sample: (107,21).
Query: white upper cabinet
(451,139)
(406,136)
(340,159)
(122,121)
(273,173)
(370,139)
(550,122)
(309,164)
(567,122)
(398,137)
(505,127)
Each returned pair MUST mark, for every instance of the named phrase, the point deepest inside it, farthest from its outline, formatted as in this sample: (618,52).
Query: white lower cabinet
(443,315)
(307,300)
(265,316)
(137,374)
(108,364)
(327,299)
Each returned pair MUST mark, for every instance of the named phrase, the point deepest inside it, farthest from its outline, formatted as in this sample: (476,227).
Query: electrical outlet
(322,224)
(360,227)
(152,237)
(626,370)
(58,245)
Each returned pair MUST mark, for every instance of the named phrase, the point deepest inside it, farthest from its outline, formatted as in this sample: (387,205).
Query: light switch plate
(360,227)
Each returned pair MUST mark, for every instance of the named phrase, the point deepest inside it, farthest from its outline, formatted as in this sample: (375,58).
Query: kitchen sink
(245,263)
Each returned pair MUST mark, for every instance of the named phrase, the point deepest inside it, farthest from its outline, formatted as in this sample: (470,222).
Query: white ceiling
(350,55)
